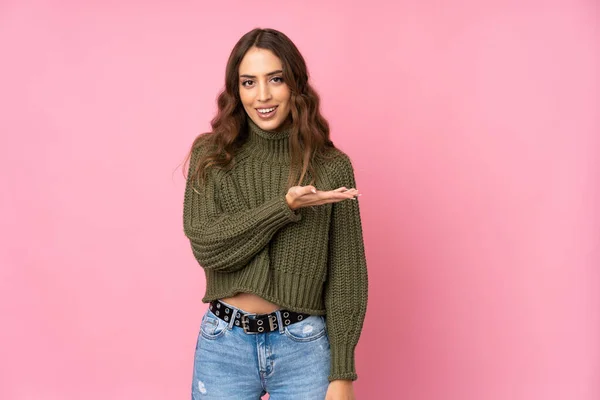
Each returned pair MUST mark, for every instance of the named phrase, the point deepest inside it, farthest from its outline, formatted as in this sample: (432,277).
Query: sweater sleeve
(222,241)
(346,287)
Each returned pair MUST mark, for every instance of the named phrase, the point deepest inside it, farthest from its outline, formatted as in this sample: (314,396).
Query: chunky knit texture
(247,239)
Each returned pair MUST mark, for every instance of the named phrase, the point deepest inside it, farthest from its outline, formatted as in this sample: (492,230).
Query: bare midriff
(251,303)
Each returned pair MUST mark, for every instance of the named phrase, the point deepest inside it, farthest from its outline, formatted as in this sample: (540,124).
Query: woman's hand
(305,196)
(340,389)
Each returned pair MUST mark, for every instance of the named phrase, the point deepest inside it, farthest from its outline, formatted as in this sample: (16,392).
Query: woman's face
(264,94)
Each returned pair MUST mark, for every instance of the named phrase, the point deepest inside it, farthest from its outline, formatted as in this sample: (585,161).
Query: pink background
(473,126)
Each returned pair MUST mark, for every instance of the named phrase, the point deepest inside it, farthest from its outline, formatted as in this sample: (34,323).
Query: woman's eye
(278,79)
(244,83)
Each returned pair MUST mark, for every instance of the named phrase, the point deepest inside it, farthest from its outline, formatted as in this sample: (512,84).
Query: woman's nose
(264,93)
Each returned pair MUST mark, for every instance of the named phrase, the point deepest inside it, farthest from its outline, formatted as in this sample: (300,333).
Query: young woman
(272,216)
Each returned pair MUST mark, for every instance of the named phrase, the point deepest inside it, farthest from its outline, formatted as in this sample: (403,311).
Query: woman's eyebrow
(269,74)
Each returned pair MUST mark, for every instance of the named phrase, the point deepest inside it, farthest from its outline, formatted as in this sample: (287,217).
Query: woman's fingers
(339,194)
(343,192)
(342,189)
(311,189)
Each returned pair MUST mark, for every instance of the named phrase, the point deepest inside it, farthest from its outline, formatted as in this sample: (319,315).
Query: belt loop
(279,321)
(232,318)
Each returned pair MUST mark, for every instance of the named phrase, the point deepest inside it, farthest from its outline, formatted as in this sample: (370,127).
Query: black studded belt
(258,323)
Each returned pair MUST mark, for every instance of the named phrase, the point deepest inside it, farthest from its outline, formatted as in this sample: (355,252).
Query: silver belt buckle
(272,323)
(246,325)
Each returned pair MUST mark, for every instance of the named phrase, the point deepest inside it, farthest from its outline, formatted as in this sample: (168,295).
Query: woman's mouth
(266,113)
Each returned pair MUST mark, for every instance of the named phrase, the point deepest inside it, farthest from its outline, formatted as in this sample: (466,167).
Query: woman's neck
(269,145)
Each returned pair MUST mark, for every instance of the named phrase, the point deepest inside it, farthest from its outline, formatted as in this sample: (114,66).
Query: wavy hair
(309,136)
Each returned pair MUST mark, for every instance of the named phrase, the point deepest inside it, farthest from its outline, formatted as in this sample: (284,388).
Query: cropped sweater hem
(298,292)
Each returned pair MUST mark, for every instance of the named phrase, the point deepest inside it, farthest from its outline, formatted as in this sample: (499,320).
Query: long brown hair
(309,137)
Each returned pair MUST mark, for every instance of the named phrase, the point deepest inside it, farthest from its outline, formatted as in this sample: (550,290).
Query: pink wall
(474,131)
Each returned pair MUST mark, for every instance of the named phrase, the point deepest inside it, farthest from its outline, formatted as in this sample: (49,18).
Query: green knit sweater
(247,239)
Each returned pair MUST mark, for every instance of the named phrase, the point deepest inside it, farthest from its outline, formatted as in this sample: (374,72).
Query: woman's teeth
(266,110)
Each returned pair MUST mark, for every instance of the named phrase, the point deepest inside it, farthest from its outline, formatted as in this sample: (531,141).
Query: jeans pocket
(309,329)
(213,327)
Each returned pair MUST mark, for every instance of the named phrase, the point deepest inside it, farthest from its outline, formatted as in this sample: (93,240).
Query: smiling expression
(264,94)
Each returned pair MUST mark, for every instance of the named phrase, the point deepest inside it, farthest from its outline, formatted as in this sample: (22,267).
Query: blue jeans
(291,363)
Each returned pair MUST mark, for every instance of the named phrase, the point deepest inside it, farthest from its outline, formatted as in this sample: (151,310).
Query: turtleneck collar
(279,133)
(269,145)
